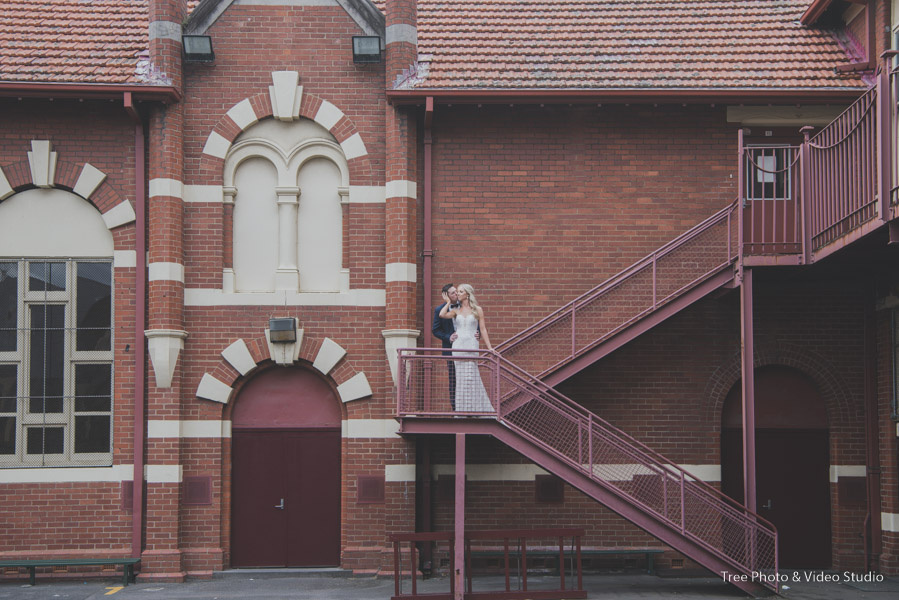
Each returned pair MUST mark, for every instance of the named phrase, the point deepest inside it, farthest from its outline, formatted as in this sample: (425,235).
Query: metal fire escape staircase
(630,303)
(562,437)
(794,207)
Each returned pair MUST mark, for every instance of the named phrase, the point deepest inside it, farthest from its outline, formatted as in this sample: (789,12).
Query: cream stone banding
(353,147)
(238,356)
(120,214)
(355,388)
(89,180)
(243,114)
(402,188)
(216,145)
(171,188)
(329,354)
(211,388)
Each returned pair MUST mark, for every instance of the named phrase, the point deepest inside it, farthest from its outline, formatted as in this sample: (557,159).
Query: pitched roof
(624,44)
(74,41)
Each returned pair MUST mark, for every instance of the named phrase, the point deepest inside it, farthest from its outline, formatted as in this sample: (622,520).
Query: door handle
(281,506)
(765,505)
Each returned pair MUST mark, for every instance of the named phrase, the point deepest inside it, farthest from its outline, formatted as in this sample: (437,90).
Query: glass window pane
(9,305)
(93,388)
(47,355)
(47,276)
(7,435)
(44,440)
(91,434)
(94,298)
(8,388)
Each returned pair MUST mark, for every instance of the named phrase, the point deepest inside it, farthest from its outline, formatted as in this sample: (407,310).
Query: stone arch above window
(287,182)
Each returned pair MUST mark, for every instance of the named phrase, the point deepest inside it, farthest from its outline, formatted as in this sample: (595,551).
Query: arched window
(286,181)
(56,329)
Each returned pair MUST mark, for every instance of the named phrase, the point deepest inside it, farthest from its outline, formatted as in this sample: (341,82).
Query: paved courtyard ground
(267,585)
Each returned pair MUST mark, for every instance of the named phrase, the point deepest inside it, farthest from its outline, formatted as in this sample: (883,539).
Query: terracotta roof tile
(73,41)
(624,44)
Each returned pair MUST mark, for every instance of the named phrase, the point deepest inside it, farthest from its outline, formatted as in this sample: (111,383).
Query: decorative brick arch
(836,394)
(43,170)
(250,111)
(244,357)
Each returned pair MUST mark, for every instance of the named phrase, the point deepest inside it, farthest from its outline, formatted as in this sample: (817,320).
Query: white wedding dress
(470,393)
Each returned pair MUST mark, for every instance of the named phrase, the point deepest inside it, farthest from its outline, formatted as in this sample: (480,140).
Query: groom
(445,331)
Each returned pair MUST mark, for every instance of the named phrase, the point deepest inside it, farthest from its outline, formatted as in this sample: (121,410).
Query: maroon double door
(792,463)
(285,473)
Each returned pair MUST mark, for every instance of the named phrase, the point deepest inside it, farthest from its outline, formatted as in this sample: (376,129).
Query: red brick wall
(78,518)
(557,199)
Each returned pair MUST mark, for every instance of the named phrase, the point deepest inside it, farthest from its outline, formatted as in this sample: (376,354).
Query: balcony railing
(810,199)
(606,455)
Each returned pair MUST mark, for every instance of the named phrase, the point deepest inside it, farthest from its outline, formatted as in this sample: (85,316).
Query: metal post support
(748,372)
(459,542)
(805,193)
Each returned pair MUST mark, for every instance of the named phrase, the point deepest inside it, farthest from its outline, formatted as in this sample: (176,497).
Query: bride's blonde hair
(471,299)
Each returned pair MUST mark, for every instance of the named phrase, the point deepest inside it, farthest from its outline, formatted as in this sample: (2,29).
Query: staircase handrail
(613,281)
(574,409)
(601,435)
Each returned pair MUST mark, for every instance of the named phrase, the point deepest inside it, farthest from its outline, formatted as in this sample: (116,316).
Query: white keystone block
(211,388)
(243,114)
(354,388)
(353,147)
(42,161)
(119,215)
(328,356)
(216,146)
(239,357)
(286,95)
(328,115)
(171,188)
(5,189)
(89,180)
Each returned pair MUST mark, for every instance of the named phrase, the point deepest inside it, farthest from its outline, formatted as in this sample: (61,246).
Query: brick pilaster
(401,210)
(161,559)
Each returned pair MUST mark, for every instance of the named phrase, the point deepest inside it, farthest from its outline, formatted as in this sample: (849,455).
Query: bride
(468,317)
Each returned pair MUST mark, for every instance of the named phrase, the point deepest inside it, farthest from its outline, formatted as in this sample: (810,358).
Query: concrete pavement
(296,584)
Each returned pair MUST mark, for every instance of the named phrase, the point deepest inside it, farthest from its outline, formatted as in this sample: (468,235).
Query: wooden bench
(127,564)
(649,553)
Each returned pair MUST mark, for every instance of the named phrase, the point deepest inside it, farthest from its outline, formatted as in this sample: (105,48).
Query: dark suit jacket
(442,329)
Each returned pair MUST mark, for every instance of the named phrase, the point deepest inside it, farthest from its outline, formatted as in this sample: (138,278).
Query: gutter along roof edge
(88,91)
(617,96)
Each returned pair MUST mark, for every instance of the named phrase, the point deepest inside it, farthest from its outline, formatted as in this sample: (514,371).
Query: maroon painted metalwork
(610,310)
(601,460)
(748,392)
(772,217)
(458,574)
(140,321)
(495,542)
(843,169)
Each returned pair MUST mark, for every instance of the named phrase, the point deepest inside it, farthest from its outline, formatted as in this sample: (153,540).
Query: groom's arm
(437,326)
